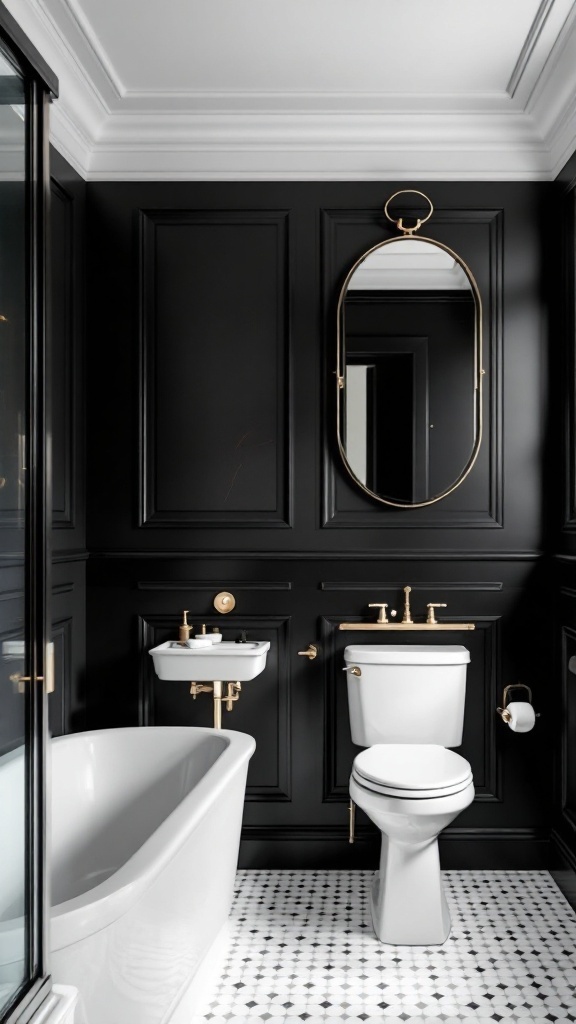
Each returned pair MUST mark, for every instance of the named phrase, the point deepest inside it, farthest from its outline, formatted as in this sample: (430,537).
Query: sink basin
(227,660)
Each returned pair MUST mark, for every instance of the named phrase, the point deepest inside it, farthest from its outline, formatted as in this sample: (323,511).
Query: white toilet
(406,705)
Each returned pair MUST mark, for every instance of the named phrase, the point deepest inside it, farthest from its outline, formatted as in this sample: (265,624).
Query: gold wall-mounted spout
(407,622)
(407,617)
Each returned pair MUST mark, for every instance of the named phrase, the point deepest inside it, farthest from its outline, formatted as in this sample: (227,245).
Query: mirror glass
(409,420)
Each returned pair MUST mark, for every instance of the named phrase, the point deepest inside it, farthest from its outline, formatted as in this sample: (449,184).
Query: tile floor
(303,949)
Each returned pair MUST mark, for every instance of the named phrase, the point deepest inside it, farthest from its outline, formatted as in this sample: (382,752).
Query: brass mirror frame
(341,366)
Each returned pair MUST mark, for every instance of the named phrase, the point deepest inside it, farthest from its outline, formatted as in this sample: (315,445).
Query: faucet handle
(431,620)
(382,617)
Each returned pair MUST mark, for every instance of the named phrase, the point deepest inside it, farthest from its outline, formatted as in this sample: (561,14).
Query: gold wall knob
(311,652)
(224,602)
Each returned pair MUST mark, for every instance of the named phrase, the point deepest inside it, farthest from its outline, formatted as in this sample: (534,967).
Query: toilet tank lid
(407,654)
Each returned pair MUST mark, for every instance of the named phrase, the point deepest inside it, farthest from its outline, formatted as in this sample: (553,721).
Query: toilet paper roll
(522,717)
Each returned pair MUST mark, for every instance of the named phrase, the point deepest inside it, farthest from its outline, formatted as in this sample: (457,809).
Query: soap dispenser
(184,629)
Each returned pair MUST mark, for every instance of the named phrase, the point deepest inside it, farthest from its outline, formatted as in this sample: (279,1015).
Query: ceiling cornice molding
(195,101)
(76,122)
(109,132)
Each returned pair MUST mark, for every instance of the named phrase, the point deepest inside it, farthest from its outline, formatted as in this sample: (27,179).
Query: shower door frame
(42,85)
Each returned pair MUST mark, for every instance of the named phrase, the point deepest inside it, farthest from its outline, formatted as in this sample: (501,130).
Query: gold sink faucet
(407,617)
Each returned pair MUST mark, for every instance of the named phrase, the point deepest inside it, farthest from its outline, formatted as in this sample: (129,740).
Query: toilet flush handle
(354,670)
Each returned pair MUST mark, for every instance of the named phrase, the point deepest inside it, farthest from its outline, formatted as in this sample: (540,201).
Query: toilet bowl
(411,792)
(401,697)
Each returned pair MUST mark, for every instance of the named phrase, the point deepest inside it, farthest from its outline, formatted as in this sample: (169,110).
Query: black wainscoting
(213,465)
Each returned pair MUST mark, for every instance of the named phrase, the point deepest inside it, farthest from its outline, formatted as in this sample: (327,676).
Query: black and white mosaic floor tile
(303,949)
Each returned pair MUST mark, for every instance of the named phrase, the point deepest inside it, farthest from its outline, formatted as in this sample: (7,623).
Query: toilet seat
(411,771)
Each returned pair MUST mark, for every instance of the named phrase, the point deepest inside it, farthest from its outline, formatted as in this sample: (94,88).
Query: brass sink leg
(232,694)
(217,703)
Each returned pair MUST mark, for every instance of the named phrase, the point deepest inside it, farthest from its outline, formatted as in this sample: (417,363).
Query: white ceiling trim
(195,101)
(69,13)
(544,31)
(109,132)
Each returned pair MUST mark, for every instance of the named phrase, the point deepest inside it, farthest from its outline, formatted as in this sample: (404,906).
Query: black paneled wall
(213,465)
(66,276)
(564,365)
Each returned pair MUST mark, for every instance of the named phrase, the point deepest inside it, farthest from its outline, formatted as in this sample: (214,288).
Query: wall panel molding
(413,555)
(64,355)
(432,585)
(255,439)
(204,585)
(568,723)
(369,513)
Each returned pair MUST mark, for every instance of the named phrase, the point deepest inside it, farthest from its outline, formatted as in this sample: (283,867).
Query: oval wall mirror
(409,369)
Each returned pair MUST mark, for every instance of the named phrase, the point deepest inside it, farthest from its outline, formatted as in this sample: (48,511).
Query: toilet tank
(407,693)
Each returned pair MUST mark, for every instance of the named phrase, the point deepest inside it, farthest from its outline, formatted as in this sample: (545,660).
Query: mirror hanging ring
(382,423)
(399,223)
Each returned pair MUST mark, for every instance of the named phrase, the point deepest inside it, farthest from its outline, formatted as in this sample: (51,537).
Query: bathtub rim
(98,907)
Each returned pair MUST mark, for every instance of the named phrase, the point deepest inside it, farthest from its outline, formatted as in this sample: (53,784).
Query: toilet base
(407,901)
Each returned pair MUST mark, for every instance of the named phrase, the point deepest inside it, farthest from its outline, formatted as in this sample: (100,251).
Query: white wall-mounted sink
(227,660)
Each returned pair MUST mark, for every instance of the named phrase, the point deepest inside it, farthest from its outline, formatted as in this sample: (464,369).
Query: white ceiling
(310,89)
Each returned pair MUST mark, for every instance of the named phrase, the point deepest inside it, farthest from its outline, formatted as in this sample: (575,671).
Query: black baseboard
(563,867)
(313,847)
(563,856)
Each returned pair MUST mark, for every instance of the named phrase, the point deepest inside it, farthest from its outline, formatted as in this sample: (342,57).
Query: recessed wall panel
(63,357)
(214,368)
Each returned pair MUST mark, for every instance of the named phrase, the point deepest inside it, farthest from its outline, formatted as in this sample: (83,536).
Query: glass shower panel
(15,717)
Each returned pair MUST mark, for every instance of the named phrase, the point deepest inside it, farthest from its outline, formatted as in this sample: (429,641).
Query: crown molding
(109,132)
(318,147)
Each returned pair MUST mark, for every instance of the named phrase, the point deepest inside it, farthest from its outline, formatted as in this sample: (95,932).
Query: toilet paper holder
(503,711)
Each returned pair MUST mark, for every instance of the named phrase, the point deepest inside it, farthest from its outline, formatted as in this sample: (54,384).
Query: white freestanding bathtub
(145,834)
